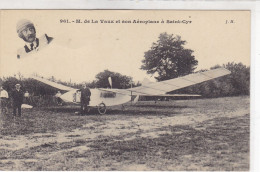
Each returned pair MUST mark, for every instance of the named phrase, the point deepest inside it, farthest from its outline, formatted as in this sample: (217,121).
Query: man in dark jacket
(85,98)
(17,97)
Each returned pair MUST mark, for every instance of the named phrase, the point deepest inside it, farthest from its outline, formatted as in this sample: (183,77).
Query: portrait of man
(26,31)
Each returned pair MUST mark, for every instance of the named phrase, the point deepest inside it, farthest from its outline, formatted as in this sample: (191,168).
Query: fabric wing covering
(53,84)
(160,88)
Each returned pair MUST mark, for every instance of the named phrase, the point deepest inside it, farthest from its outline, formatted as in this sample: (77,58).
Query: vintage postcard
(125,90)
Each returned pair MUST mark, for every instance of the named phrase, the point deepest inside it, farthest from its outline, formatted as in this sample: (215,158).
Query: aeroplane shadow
(62,109)
(137,109)
(162,107)
(140,112)
(128,110)
(148,110)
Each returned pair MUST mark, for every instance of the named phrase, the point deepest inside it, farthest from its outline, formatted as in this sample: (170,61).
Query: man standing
(3,100)
(26,97)
(59,101)
(27,32)
(17,97)
(85,98)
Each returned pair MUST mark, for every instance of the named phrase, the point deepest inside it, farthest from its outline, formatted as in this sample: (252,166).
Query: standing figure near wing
(58,99)
(26,97)
(3,100)
(17,97)
(84,99)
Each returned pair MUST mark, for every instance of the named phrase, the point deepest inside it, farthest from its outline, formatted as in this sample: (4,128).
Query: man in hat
(17,97)
(3,99)
(85,98)
(27,32)
(26,97)
(59,101)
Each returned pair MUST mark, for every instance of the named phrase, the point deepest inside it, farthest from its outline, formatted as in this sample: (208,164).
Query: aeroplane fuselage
(97,97)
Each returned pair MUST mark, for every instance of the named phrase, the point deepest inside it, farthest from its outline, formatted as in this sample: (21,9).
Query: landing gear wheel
(122,107)
(102,108)
(87,109)
(4,110)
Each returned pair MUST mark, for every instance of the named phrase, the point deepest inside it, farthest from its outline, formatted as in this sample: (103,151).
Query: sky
(79,51)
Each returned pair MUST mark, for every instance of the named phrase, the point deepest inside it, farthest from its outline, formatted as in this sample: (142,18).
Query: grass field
(201,134)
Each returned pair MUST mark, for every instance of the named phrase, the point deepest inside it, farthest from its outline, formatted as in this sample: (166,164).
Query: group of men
(17,96)
(17,99)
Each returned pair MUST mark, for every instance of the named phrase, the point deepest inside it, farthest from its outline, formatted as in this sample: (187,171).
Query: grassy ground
(202,134)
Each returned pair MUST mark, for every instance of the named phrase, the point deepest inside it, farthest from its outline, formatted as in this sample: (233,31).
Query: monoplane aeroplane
(102,98)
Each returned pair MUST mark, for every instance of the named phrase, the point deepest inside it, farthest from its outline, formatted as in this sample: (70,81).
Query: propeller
(136,99)
(110,81)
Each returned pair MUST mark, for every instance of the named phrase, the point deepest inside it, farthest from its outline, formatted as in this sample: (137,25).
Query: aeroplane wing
(160,88)
(156,88)
(127,92)
(53,84)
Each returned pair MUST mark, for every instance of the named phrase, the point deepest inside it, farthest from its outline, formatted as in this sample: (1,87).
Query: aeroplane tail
(53,84)
(26,106)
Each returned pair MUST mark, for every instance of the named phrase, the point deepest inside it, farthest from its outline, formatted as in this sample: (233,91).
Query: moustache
(31,36)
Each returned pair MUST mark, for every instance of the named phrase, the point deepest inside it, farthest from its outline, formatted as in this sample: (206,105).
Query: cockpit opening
(107,94)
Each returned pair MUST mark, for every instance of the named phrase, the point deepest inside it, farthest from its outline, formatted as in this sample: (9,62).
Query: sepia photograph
(125,90)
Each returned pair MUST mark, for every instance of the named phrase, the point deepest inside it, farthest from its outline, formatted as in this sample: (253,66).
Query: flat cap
(22,24)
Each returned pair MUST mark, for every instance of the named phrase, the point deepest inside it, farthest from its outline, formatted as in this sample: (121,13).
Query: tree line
(235,84)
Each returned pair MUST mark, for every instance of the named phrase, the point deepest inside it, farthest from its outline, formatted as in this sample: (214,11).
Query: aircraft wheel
(102,108)
(4,110)
(122,107)
(88,109)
